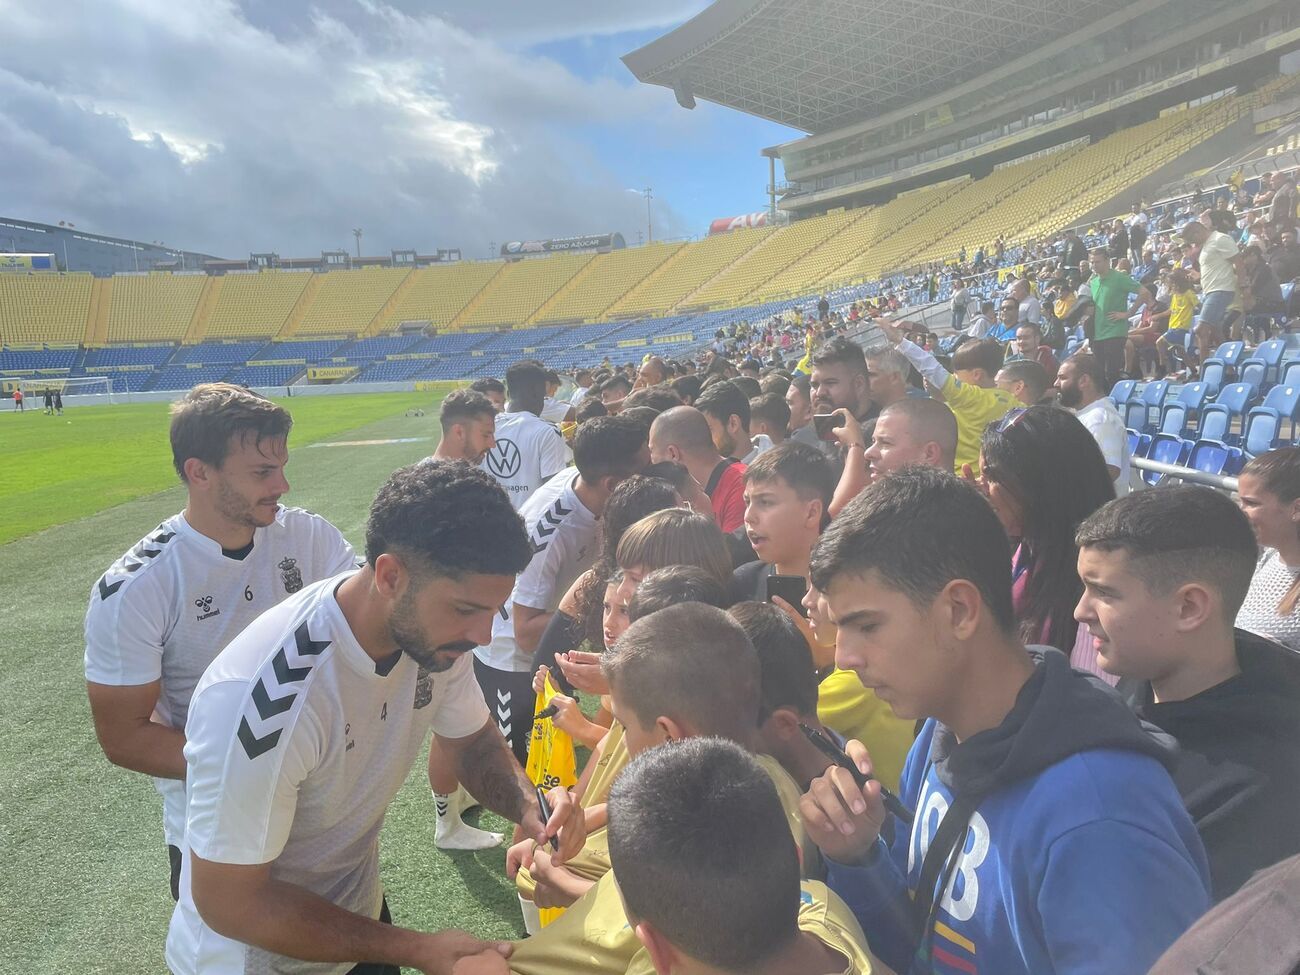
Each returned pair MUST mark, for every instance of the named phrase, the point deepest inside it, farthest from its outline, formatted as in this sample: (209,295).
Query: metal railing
(1219,481)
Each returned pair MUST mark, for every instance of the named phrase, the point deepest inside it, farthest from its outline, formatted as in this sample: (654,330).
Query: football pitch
(84,884)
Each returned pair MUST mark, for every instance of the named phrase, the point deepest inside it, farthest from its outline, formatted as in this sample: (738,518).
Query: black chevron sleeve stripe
(106,590)
(285,674)
(307,647)
(539,546)
(560,510)
(254,746)
(267,706)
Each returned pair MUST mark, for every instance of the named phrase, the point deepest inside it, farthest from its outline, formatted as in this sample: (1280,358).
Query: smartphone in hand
(790,588)
(824,423)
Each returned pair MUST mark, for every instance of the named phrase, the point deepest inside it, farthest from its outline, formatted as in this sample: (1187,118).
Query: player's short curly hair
(447,518)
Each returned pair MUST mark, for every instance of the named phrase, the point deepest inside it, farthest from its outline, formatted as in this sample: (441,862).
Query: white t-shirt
(1107,428)
(296,743)
(578,394)
(527,452)
(1216,263)
(1031,310)
(165,609)
(554,410)
(762,444)
(565,537)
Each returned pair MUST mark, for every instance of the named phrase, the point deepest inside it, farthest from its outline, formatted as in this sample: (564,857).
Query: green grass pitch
(84,884)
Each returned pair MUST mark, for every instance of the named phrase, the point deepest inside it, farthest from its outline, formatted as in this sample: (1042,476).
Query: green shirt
(1110,293)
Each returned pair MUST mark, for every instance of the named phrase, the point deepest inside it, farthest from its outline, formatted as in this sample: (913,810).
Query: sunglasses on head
(1012,418)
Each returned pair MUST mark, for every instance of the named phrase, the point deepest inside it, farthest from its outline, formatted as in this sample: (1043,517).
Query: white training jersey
(564,534)
(165,609)
(527,452)
(554,410)
(296,743)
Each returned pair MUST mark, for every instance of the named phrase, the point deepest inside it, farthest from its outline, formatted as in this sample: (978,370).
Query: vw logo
(503,459)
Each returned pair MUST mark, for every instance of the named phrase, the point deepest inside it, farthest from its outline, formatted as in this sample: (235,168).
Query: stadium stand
(686,271)
(604,282)
(348,301)
(153,307)
(254,303)
(517,293)
(438,294)
(40,309)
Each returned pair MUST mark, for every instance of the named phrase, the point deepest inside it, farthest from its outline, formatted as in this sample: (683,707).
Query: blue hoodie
(1079,857)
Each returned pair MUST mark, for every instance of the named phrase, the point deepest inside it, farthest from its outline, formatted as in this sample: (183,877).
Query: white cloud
(281,124)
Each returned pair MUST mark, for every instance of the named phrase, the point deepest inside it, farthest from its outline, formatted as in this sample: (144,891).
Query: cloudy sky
(231,126)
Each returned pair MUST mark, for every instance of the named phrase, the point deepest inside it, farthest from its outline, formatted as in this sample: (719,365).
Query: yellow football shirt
(593,936)
(821,914)
(1181,306)
(975,408)
(853,711)
(592,861)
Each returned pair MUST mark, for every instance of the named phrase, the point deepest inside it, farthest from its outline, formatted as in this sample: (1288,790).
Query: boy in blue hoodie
(1048,836)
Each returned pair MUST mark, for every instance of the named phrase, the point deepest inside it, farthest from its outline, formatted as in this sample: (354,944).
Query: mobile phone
(546,814)
(824,423)
(790,588)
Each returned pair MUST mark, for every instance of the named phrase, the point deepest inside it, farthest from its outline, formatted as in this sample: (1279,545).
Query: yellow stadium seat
(521,288)
(154,307)
(255,305)
(347,301)
(44,308)
(603,282)
(438,294)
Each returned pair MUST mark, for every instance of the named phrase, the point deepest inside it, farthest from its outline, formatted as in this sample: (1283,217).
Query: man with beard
(468,422)
(1079,388)
(166,608)
(305,727)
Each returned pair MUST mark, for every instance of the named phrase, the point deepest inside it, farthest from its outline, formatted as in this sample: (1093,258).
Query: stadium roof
(818,65)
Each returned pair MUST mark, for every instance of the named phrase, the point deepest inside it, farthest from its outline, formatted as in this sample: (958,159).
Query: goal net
(34,387)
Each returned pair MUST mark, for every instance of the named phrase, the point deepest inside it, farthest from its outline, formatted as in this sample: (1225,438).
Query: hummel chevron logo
(503,697)
(560,510)
(307,647)
(254,746)
(539,547)
(105,590)
(285,674)
(544,530)
(140,552)
(267,706)
(503,717)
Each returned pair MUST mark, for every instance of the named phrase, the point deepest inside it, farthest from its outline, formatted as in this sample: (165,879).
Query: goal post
(34,387)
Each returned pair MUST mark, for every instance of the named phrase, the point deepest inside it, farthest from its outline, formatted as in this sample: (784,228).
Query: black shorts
(372,967)
(510,699)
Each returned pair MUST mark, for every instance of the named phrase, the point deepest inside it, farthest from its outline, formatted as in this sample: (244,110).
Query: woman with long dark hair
(1043,473)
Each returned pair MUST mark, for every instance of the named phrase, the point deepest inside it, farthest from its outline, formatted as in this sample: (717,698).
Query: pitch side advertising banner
(725,225)
(589,242)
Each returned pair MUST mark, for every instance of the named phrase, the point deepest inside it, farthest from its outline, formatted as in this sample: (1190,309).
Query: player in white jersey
(562,518)
(555,410)
(468,423)
(163,611)
(467,419)
(305,727)
(528,451)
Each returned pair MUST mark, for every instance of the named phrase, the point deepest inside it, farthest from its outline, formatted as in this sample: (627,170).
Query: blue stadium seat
(1217,417)
(1142,411)
(1253,372)
(1290,373)
(1213,457)
(1178,412)
(1263,424)
(1168,450)
(1123,391)
(1269,354)
(1231,353)
(1214,373)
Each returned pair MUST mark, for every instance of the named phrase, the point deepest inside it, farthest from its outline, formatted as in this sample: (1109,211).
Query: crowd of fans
(886,663)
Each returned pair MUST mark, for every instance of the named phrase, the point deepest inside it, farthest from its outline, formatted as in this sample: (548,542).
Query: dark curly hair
(447,518)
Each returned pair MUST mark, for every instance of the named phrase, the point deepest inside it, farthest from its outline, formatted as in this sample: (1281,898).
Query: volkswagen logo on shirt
(503,459)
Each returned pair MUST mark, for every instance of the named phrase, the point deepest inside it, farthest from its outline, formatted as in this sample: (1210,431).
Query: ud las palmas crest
(291,574)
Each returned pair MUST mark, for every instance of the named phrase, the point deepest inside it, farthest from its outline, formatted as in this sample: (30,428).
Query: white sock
(451,833)
(532,917)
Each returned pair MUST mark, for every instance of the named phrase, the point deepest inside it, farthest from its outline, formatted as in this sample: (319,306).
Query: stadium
(952,149)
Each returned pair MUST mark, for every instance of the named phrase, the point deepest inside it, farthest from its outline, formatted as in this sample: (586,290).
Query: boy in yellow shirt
(684,672)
